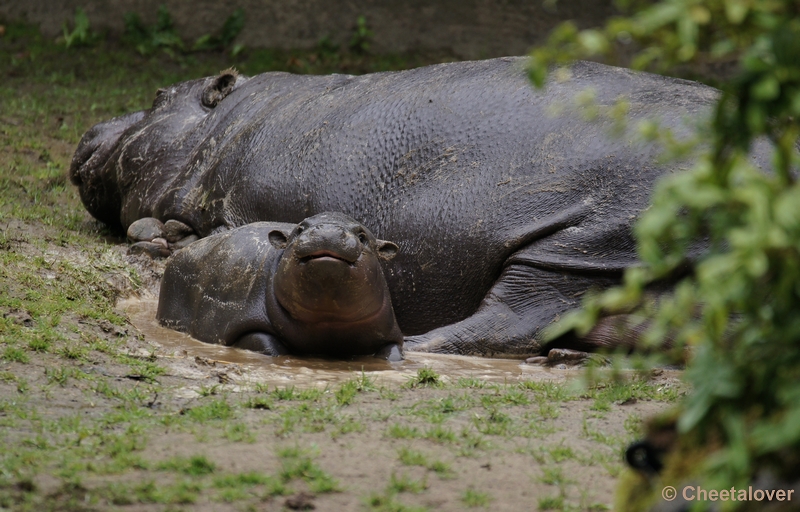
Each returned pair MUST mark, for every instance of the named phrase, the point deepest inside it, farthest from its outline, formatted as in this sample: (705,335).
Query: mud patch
(306,372)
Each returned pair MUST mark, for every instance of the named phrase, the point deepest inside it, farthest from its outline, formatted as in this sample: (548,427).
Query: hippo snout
(96,146)
(327,241)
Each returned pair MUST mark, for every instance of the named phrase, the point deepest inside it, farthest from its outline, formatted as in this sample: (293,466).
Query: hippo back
(464,165)
(214,289)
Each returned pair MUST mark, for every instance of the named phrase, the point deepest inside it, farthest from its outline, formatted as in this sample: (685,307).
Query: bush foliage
(162,35)
(739,309)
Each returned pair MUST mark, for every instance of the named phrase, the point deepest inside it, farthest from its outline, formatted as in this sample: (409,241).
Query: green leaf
(659,15)
(232,27)
(768,88)
(594,42)
(737,303)
(204,42)
(712,378)
(736,10)
(163,19)
(537,69)
(775,434)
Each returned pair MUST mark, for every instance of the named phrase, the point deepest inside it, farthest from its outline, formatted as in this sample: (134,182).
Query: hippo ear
(219,88)
(386,250)
(278,238)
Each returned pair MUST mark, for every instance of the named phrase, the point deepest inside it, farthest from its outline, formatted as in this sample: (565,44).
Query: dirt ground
(101,409)
(113,415)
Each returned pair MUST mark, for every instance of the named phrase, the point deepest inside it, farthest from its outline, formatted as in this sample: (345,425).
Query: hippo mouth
(325,255)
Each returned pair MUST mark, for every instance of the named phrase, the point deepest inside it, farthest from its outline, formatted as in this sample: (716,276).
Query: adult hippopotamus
(505,210)
(311,288)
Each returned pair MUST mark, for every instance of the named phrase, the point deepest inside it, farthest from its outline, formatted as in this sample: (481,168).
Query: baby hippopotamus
(314,288)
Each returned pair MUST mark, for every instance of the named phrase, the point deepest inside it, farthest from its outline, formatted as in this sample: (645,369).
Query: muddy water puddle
(305,372)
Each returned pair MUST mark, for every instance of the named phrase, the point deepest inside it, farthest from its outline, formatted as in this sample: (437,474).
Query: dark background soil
(468,29)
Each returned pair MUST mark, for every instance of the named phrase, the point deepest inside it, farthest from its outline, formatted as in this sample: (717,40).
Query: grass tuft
(426,377)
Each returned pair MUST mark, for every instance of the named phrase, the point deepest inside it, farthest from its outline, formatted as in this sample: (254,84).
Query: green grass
(495,422)
(411,457)
(440,434)
(299,464)
(15,354)
(259,402)
(561,453)
(399,431)
(208,390)
(348,391)
(425,377)
(387,502)
(472,498)
(79,410)
(312,417)
(405,483)
(248,479)
(635,389)
(217,409)
(553,476)
(197,465)
(239,433)
(551,503)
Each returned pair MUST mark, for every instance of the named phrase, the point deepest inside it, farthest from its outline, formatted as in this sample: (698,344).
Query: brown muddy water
(305,372)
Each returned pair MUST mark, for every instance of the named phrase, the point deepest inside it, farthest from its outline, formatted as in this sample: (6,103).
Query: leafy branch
(738,309)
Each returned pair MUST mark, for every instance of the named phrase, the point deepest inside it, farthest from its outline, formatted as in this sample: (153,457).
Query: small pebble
(145,230)
(155,251)
(536,360)
(301,501)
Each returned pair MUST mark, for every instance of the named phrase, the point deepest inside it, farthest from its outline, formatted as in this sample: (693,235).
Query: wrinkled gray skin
(505,211)
(312,288)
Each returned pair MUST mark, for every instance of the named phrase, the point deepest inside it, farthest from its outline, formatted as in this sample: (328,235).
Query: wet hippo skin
(506,203)
(312,288)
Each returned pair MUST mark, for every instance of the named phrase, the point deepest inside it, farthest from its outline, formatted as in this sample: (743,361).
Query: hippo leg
(623,331)
(391,352)
(510,319)
(261,342)
(566,357)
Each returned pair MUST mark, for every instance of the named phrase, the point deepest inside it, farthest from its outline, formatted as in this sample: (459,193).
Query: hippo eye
(362,237)
(300,229)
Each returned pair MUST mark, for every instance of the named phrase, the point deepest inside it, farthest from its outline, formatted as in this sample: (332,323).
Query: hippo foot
(567,357)
(261,342)
(153,238)
(425,343)
(391,352)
